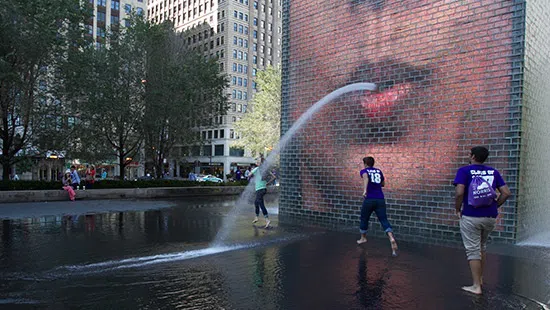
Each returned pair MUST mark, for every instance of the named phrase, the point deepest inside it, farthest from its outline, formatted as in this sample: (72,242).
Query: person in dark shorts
(374,201)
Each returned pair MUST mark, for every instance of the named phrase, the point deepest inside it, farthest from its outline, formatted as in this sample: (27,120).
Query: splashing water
(247,194)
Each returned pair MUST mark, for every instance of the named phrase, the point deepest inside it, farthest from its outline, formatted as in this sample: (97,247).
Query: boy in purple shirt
(373,181)
(476,223)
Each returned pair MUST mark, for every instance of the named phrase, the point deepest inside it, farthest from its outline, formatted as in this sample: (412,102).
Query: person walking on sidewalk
(374,201)
(477,220)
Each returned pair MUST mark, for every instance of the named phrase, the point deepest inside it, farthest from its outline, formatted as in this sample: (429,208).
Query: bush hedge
(54,185)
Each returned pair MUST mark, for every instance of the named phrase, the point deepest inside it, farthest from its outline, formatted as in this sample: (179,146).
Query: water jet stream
(229,220)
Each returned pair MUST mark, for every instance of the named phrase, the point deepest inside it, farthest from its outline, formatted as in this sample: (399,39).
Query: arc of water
(306,116)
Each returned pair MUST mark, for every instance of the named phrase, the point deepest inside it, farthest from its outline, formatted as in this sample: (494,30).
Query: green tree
(260,128)
(184,91)
(36,39)
(111,100)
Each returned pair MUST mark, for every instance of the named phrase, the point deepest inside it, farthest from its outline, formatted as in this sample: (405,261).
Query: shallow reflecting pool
(157,255)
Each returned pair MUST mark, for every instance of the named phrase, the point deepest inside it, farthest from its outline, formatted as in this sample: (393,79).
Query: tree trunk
(122,165)
(6,171)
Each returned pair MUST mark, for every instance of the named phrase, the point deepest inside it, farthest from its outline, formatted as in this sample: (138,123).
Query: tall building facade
(245,36)
(111,15)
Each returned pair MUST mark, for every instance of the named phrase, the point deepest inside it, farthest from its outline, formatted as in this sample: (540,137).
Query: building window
(234,80)
(245,82)
(101,17)
(254,47)
(254,59)
(101,2)
(115,5)
(222,133)
(245,30)
(215,134)
(256,5)
(241,15)
(246,17)
(234,40)
(235,27)
(245,96)
(139,11)
(235,14)
(235,54)
(240,108)
(240,68)
(241,29)
(231,136)
(221,66)
(255,22)
(234,106)
(127,8)
(101,32)
(245,56)
(234,94)
(246,43)
(241,42)
(218,149)
(240,55)
(240,81)
(245,69)
(255,34)
(254,71)
(234,67)
(207,150)
(209,134)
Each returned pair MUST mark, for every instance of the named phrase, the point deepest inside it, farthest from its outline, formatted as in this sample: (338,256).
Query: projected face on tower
(437,66)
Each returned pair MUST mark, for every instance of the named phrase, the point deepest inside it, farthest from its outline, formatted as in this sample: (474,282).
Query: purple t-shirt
(491,175)
(374,187)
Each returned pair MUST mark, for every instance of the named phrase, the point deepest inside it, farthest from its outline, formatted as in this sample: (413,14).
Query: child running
(373,181)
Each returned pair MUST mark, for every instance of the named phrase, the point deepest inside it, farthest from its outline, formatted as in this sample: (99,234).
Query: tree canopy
(260,128)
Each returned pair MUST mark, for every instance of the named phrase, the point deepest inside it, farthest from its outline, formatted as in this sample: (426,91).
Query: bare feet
(473,289)
(267,222)
(393,246)
(362,240)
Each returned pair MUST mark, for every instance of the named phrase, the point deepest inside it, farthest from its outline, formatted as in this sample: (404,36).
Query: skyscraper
(110,15)
(245,36)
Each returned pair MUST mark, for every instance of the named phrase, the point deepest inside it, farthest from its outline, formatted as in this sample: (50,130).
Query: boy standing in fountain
(374,201)
(476,223)
(261,189)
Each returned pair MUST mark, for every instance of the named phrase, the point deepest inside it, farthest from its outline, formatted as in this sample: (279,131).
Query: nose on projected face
(380,103)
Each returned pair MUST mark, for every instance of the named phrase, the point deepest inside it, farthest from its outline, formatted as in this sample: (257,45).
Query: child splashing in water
(374,201)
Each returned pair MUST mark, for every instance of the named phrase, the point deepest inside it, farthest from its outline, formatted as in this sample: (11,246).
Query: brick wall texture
(450,75)
(534,187)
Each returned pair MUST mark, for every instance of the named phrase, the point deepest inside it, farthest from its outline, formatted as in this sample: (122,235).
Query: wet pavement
(157,255)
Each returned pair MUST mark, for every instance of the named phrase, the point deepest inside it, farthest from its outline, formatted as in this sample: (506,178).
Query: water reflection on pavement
(161,259)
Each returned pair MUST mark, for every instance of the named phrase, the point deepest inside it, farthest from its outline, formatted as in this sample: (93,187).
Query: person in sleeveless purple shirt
(476,223)
(374,201)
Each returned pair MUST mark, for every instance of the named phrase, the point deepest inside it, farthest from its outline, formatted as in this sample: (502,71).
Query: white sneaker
(255,220)
(267,222)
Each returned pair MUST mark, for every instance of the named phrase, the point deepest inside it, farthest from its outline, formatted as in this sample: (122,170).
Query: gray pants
(475,232)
